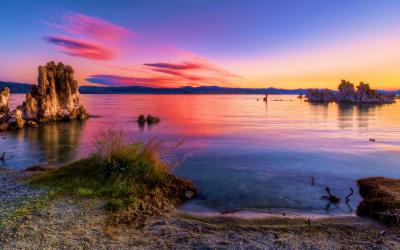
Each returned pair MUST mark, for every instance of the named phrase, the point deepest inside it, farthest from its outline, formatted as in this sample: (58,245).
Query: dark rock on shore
(381,199)
(348,94)
(55,98)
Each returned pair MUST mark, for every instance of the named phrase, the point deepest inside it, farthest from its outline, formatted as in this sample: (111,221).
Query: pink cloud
(107,37)
(97,39)
(150,81)
(79,48)
(95,28)
(175,66)
(199,70)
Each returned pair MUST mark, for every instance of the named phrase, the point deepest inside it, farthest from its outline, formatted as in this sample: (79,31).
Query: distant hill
(16,88)
(186,90)
(20,88)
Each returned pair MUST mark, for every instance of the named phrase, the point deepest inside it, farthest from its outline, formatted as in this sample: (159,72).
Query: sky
(231,43)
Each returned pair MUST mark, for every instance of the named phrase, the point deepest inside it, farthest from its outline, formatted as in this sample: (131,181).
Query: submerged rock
(55,98)
(4,95)
(347,93)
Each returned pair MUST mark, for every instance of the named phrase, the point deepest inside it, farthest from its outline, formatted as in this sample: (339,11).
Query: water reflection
(240,152)
(53,144)
(357,115)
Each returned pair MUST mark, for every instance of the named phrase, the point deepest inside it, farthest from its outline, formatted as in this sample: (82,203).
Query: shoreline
(66,222)
(264,215)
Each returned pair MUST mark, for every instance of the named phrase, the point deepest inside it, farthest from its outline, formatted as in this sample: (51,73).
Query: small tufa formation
(55,98)
(4,95)
(347,93)
(149,119)
(320,95)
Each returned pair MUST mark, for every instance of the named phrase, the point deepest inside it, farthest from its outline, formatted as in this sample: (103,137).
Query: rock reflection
(54,144)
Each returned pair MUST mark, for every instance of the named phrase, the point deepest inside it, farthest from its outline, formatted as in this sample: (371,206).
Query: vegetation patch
(130,176)
(381,199)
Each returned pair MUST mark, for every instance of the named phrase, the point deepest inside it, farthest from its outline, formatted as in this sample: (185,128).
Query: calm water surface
(243,154)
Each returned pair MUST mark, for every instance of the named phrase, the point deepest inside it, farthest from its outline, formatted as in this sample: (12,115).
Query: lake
(242,153)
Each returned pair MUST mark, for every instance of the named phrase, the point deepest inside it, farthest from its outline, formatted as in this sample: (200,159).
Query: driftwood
(347,199)
(330,197)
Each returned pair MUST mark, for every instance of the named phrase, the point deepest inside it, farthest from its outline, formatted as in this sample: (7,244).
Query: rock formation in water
(4,95)
(55,98)
(348,94)
(320,95)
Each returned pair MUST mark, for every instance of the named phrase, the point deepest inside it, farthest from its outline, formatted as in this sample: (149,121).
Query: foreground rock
(348,94)
(55,98)
(381,199)
(4,95)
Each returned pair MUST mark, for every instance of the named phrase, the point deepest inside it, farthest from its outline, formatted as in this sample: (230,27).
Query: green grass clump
(123,173)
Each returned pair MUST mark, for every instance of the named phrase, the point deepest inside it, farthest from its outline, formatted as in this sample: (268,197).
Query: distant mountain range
(185,90)
(17,88)
(25,88)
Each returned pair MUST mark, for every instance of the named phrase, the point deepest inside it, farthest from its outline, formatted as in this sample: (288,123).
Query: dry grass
(131,176)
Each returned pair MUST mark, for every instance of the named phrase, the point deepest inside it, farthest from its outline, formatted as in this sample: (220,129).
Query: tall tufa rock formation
(4,95)
(55,98)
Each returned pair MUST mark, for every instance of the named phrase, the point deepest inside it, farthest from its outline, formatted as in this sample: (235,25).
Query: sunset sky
(172,43)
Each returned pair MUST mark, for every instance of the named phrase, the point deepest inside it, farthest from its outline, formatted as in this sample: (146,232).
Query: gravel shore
(14,193)
(76,223)
(69,223)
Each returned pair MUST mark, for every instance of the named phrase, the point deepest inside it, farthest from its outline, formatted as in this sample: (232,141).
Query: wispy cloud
(197,71)
(95,27)
(97,39)
(117,81)
(177,66)
(79,48)
(198,64)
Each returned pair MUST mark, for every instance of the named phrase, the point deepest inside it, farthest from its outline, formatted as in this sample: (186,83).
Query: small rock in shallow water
(141,119)
(189,194)
(152,119)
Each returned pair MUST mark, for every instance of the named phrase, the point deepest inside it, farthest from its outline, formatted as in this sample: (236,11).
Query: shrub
(124,173)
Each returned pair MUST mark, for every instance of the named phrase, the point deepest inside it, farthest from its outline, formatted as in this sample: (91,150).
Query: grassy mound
(381,199)
(132,177)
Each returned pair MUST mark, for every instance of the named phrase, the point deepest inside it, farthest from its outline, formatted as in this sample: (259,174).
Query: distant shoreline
(22,88)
